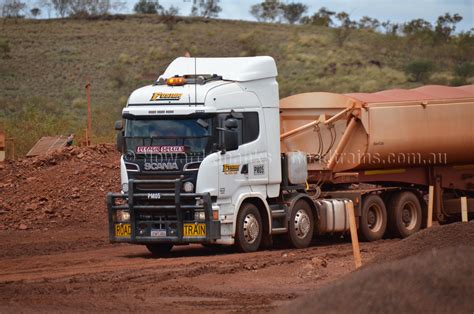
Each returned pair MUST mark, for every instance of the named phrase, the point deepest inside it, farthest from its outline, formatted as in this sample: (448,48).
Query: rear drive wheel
(249,228)
(373,220)
(301,225)
(404,214)
(159,249)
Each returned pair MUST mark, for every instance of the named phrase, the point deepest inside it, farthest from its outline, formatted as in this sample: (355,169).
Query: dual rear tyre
(373,220)
(405,214)
(401,215)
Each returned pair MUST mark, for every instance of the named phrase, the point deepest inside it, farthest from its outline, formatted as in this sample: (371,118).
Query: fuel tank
(429,125)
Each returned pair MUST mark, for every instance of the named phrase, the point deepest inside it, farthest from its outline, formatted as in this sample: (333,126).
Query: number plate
(123,230)
(194,230)
(158,233)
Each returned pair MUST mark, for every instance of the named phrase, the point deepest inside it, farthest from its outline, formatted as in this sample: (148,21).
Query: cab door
(245,168)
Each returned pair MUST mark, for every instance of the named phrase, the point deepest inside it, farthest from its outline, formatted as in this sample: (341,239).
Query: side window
(248,127)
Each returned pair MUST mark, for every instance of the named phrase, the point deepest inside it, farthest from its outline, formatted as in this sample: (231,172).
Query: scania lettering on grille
(160,166)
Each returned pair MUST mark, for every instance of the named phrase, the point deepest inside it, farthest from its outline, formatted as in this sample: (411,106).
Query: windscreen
(176,135)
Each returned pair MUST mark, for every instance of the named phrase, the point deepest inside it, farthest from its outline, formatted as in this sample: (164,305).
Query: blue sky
(393,10)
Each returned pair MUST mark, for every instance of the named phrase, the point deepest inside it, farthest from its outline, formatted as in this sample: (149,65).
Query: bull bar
(173,227)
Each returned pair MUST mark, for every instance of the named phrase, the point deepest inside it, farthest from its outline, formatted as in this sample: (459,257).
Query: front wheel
(373,220)
(159,249)
(301,225)
(249,228)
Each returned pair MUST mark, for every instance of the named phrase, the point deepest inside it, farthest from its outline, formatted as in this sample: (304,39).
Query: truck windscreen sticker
(159,149)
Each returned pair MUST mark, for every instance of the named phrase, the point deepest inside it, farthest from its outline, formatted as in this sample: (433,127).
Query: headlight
(199,215)
(188,187)
(122,215)
(125,187)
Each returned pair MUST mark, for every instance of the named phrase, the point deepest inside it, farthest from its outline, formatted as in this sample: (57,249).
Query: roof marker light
(176,81)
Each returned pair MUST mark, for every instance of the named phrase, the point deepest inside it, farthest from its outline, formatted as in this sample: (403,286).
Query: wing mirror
(231,124)
(118,125)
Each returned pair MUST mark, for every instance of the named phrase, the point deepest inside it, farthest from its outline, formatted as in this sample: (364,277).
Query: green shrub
(4,48)
(420,70)
(464,70)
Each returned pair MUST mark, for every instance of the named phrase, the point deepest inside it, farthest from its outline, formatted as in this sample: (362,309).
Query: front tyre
(249,228)
(159,249)
(301,225)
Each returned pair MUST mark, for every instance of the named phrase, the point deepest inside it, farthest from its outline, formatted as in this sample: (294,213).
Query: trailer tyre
(373,220)
(405,214)
(249,228)
(301,225)
(159,249)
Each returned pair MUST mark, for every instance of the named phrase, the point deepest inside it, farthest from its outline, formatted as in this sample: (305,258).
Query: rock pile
(65,187)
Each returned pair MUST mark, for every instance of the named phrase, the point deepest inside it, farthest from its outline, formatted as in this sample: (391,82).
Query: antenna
(195,81)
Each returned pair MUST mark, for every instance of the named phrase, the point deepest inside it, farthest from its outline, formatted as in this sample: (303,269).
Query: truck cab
(197,146)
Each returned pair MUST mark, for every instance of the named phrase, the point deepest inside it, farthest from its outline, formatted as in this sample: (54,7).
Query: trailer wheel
(249,228)
(404,214)
(373,220)
(159,249)
(301,225)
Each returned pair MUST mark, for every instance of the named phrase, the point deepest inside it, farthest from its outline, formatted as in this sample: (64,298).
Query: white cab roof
(232,69)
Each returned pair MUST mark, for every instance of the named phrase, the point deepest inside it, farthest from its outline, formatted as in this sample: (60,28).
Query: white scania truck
(209,155)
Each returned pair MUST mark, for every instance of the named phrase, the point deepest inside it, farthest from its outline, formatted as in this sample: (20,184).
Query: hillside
(46,62)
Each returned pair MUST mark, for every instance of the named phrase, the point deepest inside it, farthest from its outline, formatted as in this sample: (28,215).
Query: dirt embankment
(63,188)
(430,272)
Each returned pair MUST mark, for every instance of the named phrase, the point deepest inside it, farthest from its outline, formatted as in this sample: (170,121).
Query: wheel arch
(308,200)
(263,209)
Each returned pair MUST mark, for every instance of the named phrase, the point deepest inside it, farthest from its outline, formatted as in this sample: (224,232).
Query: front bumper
(160,217)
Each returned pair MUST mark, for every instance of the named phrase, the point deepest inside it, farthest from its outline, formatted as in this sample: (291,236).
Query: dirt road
(74,269)
(55,256)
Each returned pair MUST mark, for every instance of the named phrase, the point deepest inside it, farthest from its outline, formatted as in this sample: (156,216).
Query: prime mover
(211,155)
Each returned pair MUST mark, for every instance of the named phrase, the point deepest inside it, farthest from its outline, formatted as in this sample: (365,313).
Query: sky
(394,10)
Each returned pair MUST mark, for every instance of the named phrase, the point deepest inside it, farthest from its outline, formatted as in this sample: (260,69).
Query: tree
(292,12)
(321,18)
(417,27)
(465,45)
(391,28)
(169,16)
(206,8)
(419,70)
(61,7)
(256,11)
(345,28)
(446,25)
(271,10)
(462,72)
(13,8)
(345,20)
(147,7)
(89,7)
(35,12)
(368,23)
(45,4)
